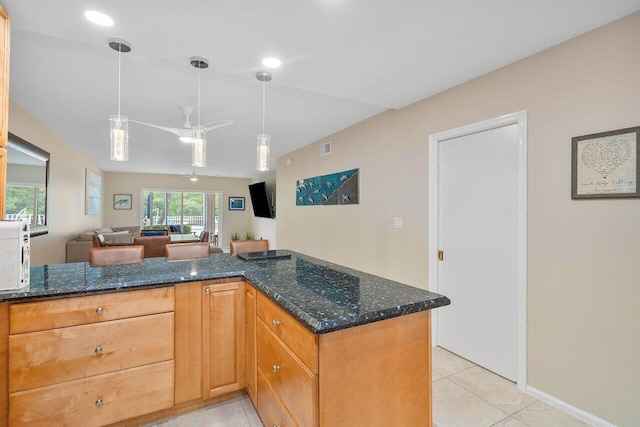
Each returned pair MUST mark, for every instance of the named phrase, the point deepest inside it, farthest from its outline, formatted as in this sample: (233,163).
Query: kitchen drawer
(270,408)
(48,357)
(290,379)
(71,311)
(96,401)
(299,339)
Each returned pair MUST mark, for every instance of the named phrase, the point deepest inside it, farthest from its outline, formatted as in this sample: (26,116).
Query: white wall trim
(569,409)
(519,118)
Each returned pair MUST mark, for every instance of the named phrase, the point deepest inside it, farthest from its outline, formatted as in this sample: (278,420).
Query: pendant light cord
(119,69)
(264,85)
(199,71)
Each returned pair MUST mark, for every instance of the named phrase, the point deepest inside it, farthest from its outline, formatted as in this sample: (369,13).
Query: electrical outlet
(397,222)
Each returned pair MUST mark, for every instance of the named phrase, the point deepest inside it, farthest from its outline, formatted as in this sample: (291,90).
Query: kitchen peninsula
(312,343)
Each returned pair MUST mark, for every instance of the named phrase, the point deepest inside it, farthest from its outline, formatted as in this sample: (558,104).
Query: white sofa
(78,248)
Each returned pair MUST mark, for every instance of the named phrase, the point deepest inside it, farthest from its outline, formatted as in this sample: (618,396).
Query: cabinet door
(250,329)
(223,338)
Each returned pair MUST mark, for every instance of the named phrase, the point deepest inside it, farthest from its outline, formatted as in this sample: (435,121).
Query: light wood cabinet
(4,363)
(223,367)
(294,384)
(272,412)
(4,103)
(91,360)
(97,400)
(133,357)
(377,374)
(250,348)
(49,357)
(74,311)
(299,339)
(287,367)
(188,342)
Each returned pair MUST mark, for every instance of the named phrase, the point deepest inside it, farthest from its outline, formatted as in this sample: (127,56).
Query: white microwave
(14,255)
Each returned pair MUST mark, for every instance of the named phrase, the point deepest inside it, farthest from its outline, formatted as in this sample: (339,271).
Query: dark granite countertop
(323,296)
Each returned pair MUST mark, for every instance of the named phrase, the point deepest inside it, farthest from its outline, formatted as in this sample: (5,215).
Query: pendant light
(119,124)
(264,139)
(199,133)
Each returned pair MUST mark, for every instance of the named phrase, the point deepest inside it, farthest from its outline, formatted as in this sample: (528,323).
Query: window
(194,211)
(26,202)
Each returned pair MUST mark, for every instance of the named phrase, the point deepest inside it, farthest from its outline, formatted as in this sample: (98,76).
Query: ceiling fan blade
(214,125)
(176,131)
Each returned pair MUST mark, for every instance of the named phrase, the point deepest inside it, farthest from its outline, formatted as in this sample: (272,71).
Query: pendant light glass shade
(119,131)
(118,124)
(264,152)
(199,157)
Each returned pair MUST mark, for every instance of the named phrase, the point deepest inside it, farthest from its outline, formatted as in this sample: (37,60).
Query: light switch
(397,222)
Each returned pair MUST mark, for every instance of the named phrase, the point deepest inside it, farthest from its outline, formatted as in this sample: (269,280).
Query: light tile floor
(464,395)
(467,395)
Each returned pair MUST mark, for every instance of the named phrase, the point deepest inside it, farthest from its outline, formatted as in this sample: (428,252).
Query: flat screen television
(260,200)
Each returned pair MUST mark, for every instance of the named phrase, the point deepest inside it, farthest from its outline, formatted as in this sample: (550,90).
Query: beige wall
(583,270)
(265,228)
(66,218)
(131,183)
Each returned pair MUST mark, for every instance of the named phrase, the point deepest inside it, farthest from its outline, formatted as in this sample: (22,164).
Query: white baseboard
(569,409)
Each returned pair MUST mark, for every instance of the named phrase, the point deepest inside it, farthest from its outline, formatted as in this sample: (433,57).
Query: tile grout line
(480,397)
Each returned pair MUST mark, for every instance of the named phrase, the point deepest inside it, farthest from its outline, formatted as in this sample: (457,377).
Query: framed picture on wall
(122,201)
(606,164)
(236,203)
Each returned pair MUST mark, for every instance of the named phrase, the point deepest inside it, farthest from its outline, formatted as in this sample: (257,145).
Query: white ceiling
(343,61)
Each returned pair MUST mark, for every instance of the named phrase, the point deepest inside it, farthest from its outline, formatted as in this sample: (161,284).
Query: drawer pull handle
(276,425)
(99,310)
(99,402)
(275,322)
(276,368)
(98,350)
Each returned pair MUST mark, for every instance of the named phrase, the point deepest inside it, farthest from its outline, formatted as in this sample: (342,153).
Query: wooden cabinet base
(96,401)
(377,374)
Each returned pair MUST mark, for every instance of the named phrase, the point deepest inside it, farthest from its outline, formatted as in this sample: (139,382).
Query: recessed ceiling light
(98,18)
(271,62)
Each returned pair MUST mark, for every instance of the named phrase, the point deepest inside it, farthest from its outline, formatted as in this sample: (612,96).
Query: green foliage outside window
(23,201)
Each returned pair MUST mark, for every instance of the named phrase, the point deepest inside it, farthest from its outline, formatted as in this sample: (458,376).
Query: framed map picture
(605,165)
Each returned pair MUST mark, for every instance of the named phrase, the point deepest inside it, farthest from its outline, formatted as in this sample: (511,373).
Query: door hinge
(440,255)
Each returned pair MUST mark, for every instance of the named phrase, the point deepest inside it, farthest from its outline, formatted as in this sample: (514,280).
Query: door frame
(520,119)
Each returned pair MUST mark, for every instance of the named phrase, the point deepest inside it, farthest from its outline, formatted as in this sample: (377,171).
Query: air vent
(325,148)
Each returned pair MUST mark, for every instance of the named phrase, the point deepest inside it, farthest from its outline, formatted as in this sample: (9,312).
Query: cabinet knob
(99,402)
(275,322)
(276,368)
(276,425)
(207,291)
(99,310)
(98,350)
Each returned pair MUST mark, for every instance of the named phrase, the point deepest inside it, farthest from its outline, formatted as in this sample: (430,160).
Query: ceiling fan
(186,132)
(189,133)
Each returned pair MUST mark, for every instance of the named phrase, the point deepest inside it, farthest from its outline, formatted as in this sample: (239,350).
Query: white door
(478,234)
